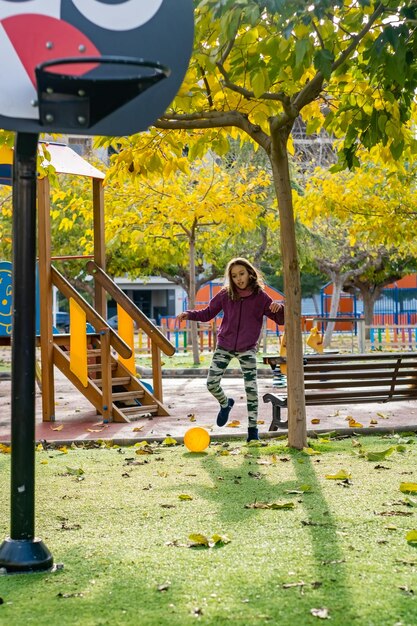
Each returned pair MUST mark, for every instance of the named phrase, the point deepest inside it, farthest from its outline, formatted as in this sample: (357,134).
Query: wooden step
(127,395)
(138,408)
(138,412)
(96,367)
(94,352)
(122,380)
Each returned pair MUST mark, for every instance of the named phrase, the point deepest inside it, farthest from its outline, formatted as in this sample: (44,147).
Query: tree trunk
(297,430)
(334,307)
(369,298)
(193,325)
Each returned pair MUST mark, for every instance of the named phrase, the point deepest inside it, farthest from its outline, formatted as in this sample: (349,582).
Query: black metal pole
(22,551)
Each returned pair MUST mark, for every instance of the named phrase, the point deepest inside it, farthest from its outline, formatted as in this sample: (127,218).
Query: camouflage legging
(247,361)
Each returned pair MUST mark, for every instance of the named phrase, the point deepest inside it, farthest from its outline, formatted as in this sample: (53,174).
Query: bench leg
(276,418)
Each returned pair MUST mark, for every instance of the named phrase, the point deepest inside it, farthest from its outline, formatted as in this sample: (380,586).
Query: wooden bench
(350,379)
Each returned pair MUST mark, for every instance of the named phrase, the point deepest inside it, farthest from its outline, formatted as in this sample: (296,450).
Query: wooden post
(157,372)
(45,286)
(100,301)
(106,376)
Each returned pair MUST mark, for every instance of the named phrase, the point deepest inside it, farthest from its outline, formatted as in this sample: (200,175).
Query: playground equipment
(51,85)
(196,439)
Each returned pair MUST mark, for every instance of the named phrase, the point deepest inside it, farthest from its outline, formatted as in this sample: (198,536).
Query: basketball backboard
(93,94)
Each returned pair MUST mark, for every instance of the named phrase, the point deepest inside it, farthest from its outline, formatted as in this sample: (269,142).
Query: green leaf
(301,47)
(379,456)
(323,61)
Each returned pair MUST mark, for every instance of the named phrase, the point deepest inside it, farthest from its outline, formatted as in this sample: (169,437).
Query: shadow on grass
(245,483)
(328,555)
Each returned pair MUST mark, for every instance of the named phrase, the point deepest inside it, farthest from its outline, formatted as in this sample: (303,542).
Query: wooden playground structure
(100,364)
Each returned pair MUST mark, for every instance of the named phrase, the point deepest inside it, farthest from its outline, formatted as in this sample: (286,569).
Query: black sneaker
(253,434)
(223,414)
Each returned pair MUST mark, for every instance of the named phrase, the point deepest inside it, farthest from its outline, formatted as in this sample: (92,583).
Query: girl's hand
(275,306)
(182,316)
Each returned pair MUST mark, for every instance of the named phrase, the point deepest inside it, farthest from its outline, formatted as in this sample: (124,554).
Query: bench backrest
(354,376)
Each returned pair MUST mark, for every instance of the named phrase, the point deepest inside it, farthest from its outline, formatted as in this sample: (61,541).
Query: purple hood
(242,319)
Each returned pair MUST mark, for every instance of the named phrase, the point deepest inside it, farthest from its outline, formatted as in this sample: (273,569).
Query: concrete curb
(224,437)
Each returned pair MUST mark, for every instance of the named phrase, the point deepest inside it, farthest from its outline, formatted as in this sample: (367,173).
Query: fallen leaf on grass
(310,451)
(69,595)
(410,502)
(411,536)
(75,471)
(169,441)
(322,613)
(301,490)
(270,505)
(405,562)
(380,456)
(391,513)
(145,449)
(163,587)
(408,487)
(341,475)
(185,496)
(198,540)
(301,583)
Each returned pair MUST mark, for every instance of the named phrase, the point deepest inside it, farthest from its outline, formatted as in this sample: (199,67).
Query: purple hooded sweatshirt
(242,319)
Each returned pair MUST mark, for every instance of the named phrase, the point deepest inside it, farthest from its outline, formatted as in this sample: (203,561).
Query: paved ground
(188,400)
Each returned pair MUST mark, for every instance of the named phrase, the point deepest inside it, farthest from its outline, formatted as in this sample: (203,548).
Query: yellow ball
(196,439)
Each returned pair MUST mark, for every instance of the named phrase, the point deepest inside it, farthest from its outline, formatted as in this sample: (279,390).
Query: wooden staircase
(127,398)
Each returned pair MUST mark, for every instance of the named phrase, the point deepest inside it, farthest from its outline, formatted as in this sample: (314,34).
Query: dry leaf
(315,420)
(137,429)
(322,613)
(354,424)
(341,475)
(185,496)
(60,427)
(234,424)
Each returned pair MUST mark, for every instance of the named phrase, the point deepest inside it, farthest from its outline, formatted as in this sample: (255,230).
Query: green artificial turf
(115,519)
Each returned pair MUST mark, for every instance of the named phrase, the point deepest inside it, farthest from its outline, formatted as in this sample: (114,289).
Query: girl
(244,304)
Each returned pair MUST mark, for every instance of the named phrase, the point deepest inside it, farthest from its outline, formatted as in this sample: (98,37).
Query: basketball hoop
(67,100)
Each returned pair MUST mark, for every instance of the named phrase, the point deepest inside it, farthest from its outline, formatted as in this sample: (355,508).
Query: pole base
(19,556)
